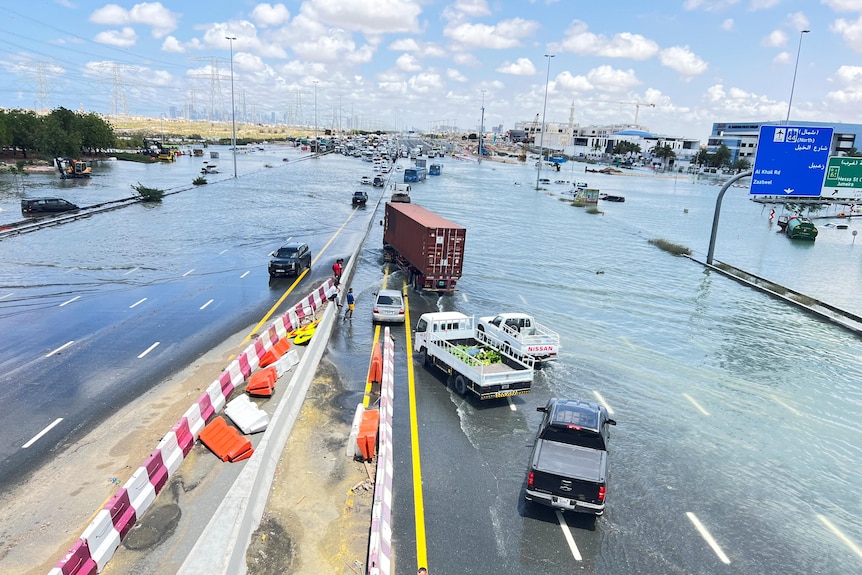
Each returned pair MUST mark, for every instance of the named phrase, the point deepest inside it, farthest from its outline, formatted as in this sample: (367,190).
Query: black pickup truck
(569,464)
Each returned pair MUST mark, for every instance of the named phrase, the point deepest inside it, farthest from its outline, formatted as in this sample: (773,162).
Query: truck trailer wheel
(460,385)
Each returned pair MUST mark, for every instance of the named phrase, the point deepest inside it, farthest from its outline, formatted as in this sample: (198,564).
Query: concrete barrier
(380,538)
(102,537)
(78,561)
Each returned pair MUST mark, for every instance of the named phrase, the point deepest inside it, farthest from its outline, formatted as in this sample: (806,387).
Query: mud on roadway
(318,515)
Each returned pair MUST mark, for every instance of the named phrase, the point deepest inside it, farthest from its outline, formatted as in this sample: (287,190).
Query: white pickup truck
(521,334)
(448,340)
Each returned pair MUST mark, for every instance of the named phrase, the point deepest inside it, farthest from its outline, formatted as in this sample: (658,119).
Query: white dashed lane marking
(41,433)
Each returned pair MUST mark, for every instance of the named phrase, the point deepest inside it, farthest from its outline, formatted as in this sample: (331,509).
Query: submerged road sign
(791,160)
(843,178)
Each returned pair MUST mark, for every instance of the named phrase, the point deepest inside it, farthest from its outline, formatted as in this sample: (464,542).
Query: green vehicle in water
(798,228)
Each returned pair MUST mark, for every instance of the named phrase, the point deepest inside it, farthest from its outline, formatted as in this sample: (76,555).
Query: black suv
(359,198)
(290,260)
(46,206)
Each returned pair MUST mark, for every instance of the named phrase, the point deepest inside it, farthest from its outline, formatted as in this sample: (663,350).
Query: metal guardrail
(838,316)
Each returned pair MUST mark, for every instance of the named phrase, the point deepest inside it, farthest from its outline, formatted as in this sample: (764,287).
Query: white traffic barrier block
(141,491)
(172,455)
(216,395)
(286,362)
(102,538)
(292,319)
(352,449)
(236,376)
(246,415)
(196,422)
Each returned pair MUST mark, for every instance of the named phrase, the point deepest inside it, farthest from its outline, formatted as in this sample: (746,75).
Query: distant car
(359,198)
(388,306)
(46,206)
(289,260)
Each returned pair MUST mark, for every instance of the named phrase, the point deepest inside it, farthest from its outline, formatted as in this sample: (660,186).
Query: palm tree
(665,153)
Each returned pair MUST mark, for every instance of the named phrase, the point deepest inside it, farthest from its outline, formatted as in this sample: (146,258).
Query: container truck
(427,247)
(447,340)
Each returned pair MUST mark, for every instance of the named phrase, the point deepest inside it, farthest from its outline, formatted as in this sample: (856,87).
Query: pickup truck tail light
(602,492)
(531,479)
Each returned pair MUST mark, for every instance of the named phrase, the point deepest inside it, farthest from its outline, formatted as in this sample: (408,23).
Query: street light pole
(316,145)
(795,67)
(482,129)
(232,106)
(544,108)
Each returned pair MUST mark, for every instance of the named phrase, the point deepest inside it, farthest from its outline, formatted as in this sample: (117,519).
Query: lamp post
(316,145)
(544,108)
(795,67)
(232,107)
(482,129)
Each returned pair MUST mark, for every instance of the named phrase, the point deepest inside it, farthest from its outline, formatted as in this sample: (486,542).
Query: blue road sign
(791,160)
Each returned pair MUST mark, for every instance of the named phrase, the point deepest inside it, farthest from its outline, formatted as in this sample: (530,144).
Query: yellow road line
(418,502)
(367,398)
(271,311)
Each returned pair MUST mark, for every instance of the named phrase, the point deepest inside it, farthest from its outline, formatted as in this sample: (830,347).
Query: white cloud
(708,5)
(425,82)
(407,63)
(521,67)
(782,58)
(798,21)
(466,59)
(763,4)
(850,93)
(604,78)
(571,83)
(377,17)
(504,34)
(844,5)
(249,63)
(404,45)
(124,38)
(427,49)
(775,39)
(246,39)
(851,32)
(612,80)
(622,45)
(455,75)
(741,104)
(172,45)
(472,7)
(153,14)
(266,15)
(727,25)
(683,60)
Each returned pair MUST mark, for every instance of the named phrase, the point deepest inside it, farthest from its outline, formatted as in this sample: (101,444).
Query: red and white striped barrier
(380,541)
(103,535)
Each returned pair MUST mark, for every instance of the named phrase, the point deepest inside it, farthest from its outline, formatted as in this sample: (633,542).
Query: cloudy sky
(421,63)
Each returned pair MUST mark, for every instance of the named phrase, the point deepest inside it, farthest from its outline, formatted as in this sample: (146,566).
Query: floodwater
(730,402)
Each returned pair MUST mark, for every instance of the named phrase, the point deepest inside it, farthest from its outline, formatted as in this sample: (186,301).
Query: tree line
(61,133)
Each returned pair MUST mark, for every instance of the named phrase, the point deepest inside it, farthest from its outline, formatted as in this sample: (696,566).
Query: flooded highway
(737,447)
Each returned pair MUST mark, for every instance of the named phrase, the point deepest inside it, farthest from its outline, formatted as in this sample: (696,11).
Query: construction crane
(530,137)
(637,104)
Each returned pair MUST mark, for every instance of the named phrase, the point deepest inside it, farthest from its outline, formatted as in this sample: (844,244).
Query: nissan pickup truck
(521,334)
(569,463)
(447,340)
